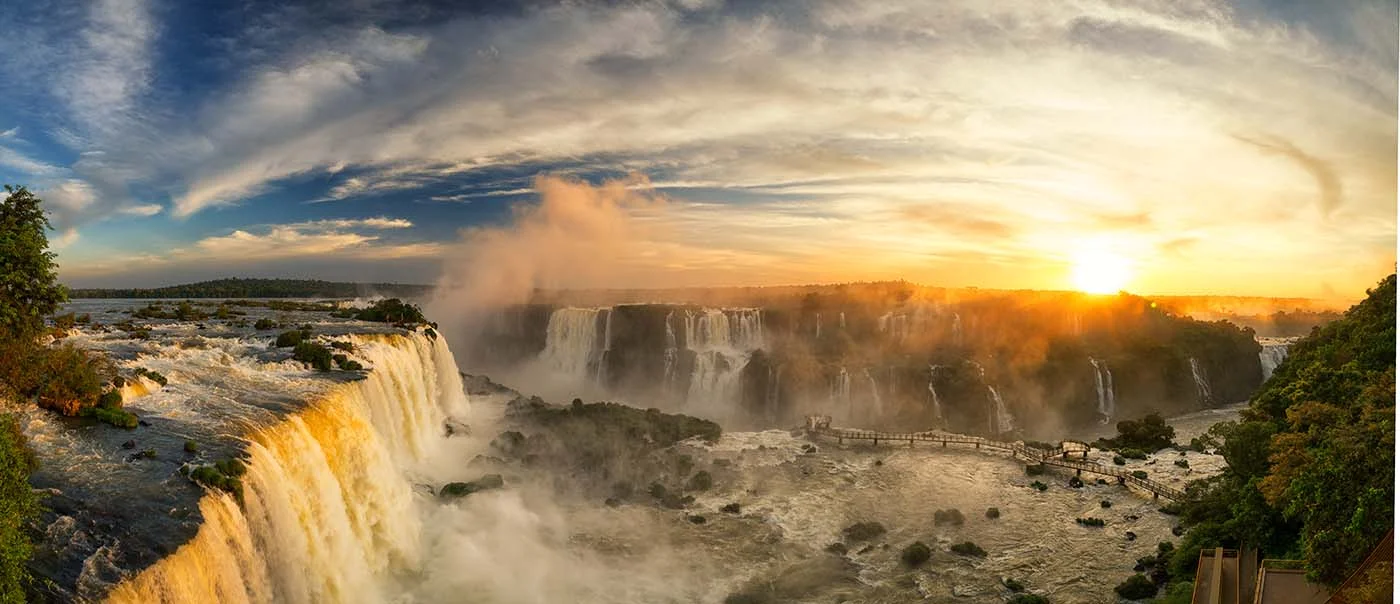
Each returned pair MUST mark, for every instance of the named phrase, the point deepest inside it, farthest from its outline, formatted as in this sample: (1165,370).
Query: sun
(1099,271)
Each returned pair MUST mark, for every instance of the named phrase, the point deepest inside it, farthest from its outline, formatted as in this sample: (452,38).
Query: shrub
(1150,433)
(113,416)
(1118,460)
(111,399)
(1075,482)
(65,321)
(863,531)
(701,481)
(993,513)
(17,508)
(1028,599)
(1136,587)
(291,338)
(1133,453)
(915,554)
(968,548)
(313,354)
(1181,463)
(1105,504)
(264,324)
(1013,585)
(343,345)
(730,508)
(392,310)
(1140,474)
(1090,521)
(67,381)
(154,376)
(1171,509)
(1039,486)
(949,516)
(351,366)
(191,446)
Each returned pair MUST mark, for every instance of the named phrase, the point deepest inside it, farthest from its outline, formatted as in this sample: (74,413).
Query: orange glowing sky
(1151,145)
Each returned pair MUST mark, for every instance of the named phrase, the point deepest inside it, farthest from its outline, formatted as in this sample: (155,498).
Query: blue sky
(1212,147)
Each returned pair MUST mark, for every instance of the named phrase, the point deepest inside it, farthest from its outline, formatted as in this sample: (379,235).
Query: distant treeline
(261,288)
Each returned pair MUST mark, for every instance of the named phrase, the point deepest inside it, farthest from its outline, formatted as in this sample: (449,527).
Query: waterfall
(841,391)
(600,373)
(1000,419)
(1202,386)
(668,373)
(933,394)
(819,326)
(879,404)
(957,328)
(896,325)
(327,512)
(722,341)
(843,321)
(1271,355)
(1103,383)
(571,341)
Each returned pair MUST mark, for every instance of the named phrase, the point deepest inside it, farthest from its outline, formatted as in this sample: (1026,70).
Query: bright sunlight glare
(1100,271)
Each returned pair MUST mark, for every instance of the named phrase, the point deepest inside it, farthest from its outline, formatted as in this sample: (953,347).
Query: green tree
(29,289)
(17,506)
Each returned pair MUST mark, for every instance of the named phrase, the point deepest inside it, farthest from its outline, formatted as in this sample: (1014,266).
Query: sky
(1192,146)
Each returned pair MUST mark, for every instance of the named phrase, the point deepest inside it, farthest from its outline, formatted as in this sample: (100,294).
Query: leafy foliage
(916,554)
(313,354)
(1150,433)
(1136,587)
(863,531)
(17,508)
(29,289)
(392,310)
(968,548)
(1311,465)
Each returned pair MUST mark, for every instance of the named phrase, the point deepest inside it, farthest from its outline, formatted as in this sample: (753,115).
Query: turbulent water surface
(339,505)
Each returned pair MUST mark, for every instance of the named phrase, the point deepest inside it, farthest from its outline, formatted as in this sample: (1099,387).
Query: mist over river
(343,500)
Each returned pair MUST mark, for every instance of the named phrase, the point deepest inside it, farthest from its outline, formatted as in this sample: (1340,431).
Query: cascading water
(670,355)
(1000,419)
(877,404)
(896,326)
(1103,384)
(1202,386)
(327,512)
(602,365)
(933,393)
(1272,353)
(843,321)
(571,341)
(957,328)
(819,326)
(841,391)
(722,341)
(775,379)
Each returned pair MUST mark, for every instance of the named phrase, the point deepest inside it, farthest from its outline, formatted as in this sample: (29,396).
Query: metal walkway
(1058,457)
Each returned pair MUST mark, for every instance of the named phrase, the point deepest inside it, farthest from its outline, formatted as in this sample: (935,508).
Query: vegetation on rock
(863,531)
(968,548)
(916,554)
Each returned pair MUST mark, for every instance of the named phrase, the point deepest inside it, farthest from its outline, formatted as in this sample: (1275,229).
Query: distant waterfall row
(578,342)
(327,512)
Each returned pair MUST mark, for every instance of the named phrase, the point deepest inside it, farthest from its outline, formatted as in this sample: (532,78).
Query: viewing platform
(1062,456)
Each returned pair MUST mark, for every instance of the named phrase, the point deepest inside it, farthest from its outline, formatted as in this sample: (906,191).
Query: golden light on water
(1099,270)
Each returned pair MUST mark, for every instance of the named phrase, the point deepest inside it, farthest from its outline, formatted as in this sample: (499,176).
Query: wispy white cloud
(145,209)
(113,68)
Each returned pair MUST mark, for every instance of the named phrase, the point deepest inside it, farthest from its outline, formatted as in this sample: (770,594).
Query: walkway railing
(1058,457)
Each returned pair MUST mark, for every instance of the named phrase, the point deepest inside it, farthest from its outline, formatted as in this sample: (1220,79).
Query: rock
(730,508)
(130,444)
(1130,535)
(454,427)
(612,502)
(696,519)
(143,423)
(455,490)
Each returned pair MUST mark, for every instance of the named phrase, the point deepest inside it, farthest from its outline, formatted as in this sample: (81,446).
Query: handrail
(1053,457)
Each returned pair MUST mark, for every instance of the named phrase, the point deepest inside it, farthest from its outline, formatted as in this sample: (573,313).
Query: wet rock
(143,423)
(454,427)
(455,490)
(837,548)
(696,519)
(612,502)
(130,444)
(1131,536)
(730,508)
